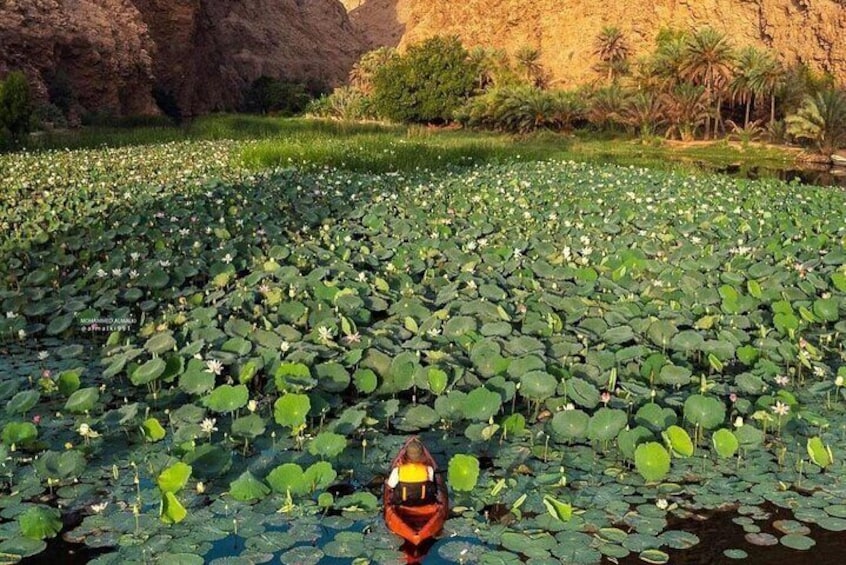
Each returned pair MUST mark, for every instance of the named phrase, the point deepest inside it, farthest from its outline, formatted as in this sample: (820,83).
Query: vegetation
(695,85)
(822,120)
(268,95)
(16,108)
(200,352)
(426,84)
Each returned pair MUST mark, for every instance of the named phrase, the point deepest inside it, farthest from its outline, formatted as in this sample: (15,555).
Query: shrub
(345,103)
(822,120)
(427,84)
(522,110)
(16,109)
(49,116)
(268,95)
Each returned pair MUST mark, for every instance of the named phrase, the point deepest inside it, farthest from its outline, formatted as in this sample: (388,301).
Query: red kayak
(419,523)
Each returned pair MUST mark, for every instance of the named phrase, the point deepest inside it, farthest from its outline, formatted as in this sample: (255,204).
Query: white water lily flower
(324,333)
(252,405)
(101,274)
(227,258)
(738,422)
(662,503)
(116,272)
(164,263)
(782,380)
(87,432)
(42,355)
(284,346)
(362,276)
(353,338)
(135,255)
(11,315)
(207,426)
(97,508)
(780,408)
(214,366)
(133,274)
(21,334)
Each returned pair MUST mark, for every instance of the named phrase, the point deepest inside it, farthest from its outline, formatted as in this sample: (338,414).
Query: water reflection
(818,176)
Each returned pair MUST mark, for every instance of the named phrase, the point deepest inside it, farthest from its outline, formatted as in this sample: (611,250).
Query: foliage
(612,50)
(344,103)
(16,108)
(550,322)
(270,95)
(426,84)
(522,110)
(821,120)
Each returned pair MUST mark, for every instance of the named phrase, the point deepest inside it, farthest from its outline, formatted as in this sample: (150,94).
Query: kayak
(838,160)
(416,524)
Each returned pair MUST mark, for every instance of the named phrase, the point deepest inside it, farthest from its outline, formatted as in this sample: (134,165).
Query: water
(822,176)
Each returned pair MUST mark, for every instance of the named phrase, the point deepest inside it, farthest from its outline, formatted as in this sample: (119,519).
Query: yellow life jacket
(413,478)
(413,473)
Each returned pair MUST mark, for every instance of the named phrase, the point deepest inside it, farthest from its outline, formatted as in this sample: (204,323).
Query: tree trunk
(772,108)
(748,107)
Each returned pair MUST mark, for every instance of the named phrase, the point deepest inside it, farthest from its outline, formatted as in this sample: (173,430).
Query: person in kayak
(413,481)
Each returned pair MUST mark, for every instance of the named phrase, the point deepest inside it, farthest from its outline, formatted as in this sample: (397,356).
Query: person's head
(414,451)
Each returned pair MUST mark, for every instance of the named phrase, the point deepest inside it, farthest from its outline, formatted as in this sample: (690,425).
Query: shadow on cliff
(377,21)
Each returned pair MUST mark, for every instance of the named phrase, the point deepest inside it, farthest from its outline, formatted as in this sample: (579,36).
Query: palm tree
(666,63)
(709,62)
(821,119)
(362,73)
(527,59)
(687,108)
(645,112)
(741,88)
(766,79)
(612,50)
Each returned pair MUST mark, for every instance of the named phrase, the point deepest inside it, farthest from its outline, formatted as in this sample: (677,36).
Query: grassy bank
(270,142)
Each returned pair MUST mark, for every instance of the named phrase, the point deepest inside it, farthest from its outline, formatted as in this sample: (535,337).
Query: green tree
(527,59)
(766,79)
(687,108)
(822,120)
(709,62)
(271,95)
(427,84)
(16,109)
(613,51)
(362,73)
(742,88)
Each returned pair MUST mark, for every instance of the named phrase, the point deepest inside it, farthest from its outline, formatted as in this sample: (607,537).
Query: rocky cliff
(210,50)
(99,48)
(203,53)
(812,31)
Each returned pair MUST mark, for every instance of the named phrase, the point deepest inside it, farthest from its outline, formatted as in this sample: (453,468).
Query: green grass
(374,147)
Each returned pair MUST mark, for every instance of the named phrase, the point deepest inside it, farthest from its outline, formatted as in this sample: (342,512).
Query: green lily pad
(22,402)
(327,444)
(83,400)
(652,461)
(174,478)
(247,488)
(39,522)
(463,472)
(796,541)
(227,398)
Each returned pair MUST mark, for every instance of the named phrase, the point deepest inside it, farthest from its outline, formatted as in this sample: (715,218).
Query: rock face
(100,48)
(210,50)
(811,31)
(202,53)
